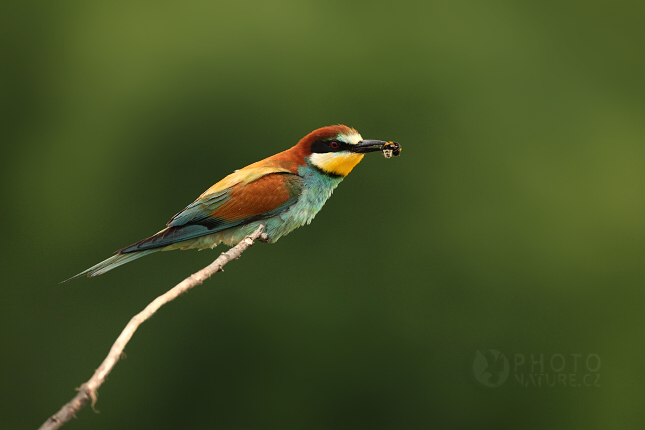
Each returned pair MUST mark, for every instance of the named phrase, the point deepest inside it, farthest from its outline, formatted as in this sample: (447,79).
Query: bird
(282,192)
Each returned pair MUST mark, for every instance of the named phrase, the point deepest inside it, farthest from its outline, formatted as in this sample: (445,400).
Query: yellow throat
(336,163)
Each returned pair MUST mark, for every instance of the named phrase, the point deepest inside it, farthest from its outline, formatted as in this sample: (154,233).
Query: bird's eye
(334,144)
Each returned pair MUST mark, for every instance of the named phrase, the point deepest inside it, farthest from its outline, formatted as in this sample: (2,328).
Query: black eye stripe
(323,146)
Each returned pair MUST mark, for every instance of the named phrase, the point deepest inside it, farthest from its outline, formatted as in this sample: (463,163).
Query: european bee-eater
(283,192)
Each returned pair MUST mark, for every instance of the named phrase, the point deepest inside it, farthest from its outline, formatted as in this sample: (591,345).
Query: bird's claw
(264,238)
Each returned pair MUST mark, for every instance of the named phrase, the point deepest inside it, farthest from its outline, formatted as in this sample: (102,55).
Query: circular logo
(490,368)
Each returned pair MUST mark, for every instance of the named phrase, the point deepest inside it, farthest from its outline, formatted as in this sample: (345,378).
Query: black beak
(390,149)
(365,146)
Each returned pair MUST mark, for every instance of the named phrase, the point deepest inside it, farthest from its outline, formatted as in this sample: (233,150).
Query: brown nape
(294,157)
(323,133)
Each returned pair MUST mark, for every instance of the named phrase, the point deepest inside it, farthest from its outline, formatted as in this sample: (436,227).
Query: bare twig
(89,389)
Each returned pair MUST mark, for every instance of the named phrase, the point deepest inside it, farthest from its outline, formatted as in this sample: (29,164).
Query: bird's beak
(365,146)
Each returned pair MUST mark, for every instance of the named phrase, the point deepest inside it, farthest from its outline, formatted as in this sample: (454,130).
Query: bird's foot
(264,238)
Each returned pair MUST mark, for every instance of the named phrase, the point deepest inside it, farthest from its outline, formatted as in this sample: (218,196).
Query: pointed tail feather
(112,262)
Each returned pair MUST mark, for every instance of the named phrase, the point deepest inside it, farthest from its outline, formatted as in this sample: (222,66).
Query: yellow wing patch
(242,176)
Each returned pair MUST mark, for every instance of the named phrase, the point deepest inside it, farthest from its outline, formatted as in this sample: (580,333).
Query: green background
(513,221)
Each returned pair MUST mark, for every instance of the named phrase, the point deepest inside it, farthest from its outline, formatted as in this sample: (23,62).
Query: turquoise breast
(317,188)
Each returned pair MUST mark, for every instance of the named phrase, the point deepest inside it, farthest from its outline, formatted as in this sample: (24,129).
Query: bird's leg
(264,238)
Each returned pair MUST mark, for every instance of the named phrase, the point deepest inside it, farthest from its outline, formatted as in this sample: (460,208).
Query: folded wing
(243,197)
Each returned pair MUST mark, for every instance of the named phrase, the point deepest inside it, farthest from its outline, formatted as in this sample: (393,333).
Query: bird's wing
(245,196)
(202,208)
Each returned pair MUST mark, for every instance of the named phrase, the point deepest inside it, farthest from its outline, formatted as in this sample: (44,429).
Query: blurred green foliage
(513,221)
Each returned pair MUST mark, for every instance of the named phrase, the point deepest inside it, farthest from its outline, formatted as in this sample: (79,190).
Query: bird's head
(336,149)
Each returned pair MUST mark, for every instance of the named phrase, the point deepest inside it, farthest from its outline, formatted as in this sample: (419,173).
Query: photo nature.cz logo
(491,369)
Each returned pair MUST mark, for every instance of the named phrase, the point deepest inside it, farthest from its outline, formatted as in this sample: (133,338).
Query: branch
(89,389)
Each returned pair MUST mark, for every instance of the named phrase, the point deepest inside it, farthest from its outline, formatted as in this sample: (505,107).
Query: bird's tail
(112,262)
